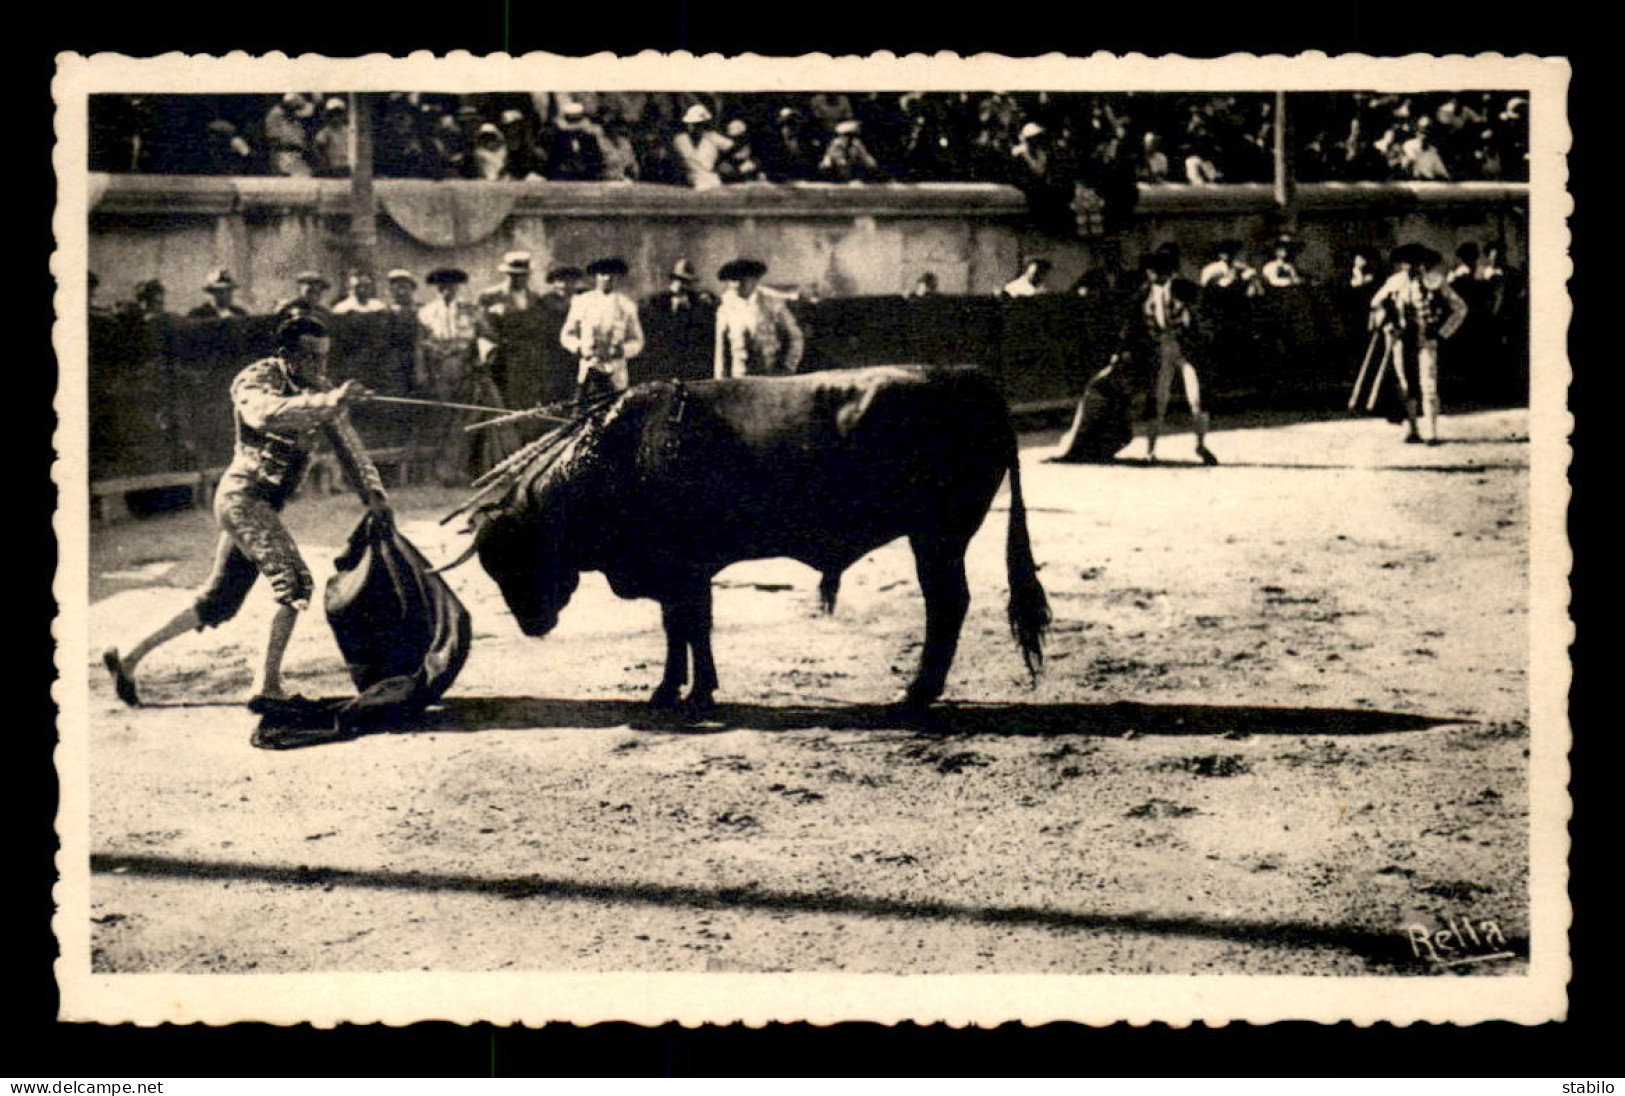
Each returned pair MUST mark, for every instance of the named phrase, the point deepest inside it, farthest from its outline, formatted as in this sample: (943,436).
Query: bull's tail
(1029,608)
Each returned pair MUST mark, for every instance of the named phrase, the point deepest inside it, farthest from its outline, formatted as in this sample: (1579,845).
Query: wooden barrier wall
(159,390)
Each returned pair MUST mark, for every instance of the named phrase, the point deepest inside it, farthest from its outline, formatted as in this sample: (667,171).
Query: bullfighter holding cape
(281,406)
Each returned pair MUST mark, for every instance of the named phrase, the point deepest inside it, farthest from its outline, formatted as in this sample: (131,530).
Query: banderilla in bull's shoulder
(508,471)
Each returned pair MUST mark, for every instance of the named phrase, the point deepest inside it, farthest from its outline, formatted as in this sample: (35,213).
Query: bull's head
(546,530)
(529,558)
(536,543)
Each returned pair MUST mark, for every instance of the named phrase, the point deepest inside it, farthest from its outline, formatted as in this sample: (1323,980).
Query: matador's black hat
(740,269)
(1415,254)
(612,265)
(446,275)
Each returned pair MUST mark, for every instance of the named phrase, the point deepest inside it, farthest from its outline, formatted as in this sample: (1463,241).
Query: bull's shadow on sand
(472,714)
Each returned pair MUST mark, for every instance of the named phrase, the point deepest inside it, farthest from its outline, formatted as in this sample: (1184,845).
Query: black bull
(677,482)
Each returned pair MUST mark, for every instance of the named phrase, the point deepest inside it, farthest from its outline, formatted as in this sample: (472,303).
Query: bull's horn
(458,562)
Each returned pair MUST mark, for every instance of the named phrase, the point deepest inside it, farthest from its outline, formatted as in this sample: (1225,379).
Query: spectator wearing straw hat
(220,288)
(330,145)
(513,292)
(308,300)
(602,331)
(756,334)
(699,148)
(679,323)
(403,288)
(525,160)
(847,159)
(1416,310)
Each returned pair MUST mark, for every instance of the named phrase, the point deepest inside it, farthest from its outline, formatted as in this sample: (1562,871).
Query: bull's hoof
(664,699)
(699,707)
(910,709)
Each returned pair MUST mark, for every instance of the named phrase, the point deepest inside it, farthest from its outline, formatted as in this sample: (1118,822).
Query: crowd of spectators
(1443,136)
(1043,142)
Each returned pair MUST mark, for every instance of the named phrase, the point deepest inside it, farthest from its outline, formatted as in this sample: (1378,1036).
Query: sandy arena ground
(1284,715)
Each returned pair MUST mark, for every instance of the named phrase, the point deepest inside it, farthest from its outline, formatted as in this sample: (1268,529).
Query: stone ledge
(204,196)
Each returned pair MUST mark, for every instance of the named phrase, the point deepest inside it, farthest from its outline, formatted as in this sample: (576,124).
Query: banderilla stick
(1382,371)
(515,416)
(1365,367)
(444,404)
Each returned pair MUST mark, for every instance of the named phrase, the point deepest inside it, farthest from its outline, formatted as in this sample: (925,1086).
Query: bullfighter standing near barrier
(1416,308)
(281,405)
(756,333)
(602,331)
(1169,318)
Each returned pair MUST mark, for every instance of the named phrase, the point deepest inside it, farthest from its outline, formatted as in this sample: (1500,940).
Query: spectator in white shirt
(1281,272)
(1199,168)
(1153,161)
(362,296)
(1419,157)
(1030,282)
(699,147)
